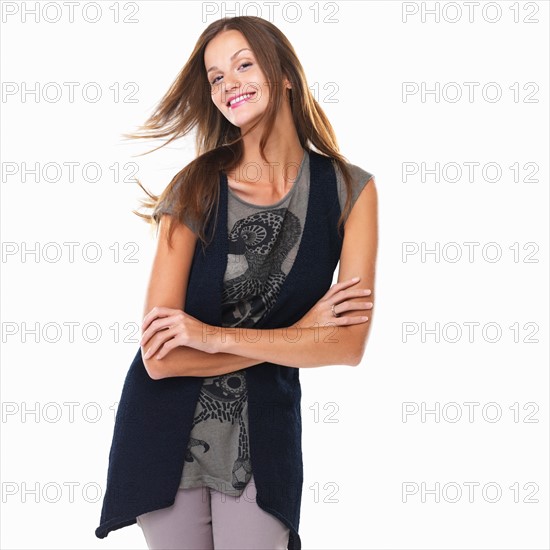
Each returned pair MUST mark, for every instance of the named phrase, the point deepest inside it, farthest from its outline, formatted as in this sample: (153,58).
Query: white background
(367,54)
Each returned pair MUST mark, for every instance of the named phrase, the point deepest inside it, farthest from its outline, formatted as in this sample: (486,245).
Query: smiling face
(237,84)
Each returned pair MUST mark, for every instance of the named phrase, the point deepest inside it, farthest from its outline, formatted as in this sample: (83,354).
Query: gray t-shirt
(263,242)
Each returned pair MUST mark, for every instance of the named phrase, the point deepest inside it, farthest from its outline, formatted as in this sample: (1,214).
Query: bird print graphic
(259,244)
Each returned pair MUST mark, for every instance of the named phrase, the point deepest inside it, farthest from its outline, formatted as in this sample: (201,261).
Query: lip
(240,102)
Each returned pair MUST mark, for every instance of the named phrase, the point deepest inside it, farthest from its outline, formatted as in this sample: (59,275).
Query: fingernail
(355,278)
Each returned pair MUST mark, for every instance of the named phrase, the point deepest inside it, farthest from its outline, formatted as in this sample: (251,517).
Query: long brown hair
(218,143)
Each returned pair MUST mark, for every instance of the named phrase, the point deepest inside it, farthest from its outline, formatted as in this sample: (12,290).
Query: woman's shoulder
(360,177)
(167,203)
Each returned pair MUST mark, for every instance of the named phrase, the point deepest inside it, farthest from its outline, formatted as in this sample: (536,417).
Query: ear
(286,83)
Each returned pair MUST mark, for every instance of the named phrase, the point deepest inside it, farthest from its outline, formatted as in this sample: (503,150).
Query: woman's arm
(333,345)
(167,287)
(300,345)
(187,361)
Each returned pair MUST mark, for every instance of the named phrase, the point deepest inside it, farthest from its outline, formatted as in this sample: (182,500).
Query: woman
(206,450)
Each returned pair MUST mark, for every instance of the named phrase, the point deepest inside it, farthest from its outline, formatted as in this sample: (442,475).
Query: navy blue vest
(154,417)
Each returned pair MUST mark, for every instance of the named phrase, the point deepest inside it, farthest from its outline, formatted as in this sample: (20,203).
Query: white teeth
(241,97)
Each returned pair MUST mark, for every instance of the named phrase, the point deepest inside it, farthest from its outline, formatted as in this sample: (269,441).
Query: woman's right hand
(321,313)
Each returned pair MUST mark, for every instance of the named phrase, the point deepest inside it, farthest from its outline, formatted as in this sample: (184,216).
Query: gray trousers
(202,518)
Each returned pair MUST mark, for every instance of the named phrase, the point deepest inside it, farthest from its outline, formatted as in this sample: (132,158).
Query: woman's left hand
(164,329)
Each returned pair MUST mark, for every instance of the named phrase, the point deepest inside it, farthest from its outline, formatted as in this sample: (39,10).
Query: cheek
(258,85)
(264,97)
(216,98)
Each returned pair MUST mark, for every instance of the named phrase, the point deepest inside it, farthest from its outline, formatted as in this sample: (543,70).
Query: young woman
(206,449)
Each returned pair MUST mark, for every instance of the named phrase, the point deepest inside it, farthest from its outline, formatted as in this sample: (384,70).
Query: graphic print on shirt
(223,398)
(258,246)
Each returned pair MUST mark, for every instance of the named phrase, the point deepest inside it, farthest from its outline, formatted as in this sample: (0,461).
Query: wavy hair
(187,105)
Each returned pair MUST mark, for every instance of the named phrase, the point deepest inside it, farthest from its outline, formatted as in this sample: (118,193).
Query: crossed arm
(293,346)
(305,347)
(220,350)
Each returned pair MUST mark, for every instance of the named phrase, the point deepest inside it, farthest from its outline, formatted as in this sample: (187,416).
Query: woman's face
(237,84)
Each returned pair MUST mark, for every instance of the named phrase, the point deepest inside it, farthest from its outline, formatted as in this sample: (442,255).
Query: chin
(248,121)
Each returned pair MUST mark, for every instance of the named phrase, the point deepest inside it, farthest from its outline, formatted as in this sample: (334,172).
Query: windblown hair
(219,146)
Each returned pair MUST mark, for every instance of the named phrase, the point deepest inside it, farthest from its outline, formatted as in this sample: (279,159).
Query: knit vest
(154,417)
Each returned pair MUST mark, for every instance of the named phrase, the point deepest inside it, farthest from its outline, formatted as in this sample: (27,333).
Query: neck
(283,151)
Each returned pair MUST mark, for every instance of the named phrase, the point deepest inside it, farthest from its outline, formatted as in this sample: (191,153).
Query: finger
(344,321)
(340,286)
(153,346)
(153,339)
(360,291)
(353,293)
(158,324)
(150,350)
(160,335)
(155,350)
(344,307)
(157,311)
(158,344)
(168,342)
(353,320)
(352,306)
(149,318)
(162,351)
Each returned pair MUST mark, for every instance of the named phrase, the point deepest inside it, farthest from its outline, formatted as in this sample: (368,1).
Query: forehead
(223,46)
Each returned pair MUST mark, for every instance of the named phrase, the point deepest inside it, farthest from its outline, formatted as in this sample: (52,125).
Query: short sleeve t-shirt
(263,242)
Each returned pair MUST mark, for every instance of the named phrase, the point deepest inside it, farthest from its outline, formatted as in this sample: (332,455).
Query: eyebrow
(231,58)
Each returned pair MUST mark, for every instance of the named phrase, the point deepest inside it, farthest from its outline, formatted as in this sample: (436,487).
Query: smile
(239,100)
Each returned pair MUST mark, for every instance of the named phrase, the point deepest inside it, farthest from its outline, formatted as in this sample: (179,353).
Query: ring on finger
(333,312)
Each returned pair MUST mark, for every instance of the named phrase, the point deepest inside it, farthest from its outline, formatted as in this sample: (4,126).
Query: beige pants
(205,519)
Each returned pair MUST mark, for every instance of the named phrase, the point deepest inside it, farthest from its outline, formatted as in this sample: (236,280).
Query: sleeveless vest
(154,417)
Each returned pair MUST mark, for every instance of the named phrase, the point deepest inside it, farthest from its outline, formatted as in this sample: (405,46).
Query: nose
(230,87)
